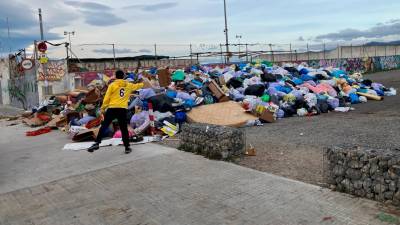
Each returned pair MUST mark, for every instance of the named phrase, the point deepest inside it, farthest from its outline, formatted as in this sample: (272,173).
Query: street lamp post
(226,33)
(69,39)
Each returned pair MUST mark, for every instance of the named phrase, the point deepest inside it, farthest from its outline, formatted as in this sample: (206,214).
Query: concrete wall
(22,86)
(342,52)
(4,78)
(128,65)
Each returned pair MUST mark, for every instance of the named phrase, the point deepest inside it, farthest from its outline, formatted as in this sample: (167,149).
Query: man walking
(115,104)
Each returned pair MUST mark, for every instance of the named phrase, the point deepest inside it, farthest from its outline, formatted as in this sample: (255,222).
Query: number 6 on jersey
(122,92)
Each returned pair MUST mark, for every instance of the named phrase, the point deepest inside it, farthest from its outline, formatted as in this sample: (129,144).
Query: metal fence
(238,52)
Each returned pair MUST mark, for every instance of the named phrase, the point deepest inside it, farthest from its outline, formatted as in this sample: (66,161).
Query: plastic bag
(256,90)
(310,99)
(302,112)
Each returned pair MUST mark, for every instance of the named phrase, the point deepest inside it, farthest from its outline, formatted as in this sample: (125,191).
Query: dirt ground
(294,147)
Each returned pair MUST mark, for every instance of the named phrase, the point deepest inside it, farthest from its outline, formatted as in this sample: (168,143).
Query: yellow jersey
(118,94)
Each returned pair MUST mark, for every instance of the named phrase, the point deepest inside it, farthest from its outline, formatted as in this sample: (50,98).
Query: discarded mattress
(225,114)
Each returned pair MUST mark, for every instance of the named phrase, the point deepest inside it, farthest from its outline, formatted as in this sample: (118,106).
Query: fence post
(375,50)
(324,52)
(308,54)
(351,51)
(155,51)
(291,55)
(337,49)
(272,53)
(247,53)
(222,55)
(191,56)
(385,51)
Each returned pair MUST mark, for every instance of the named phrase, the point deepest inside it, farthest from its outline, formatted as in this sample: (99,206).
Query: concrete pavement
(41,184)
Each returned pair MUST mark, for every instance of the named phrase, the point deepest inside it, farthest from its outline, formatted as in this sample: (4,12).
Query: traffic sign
(27,64)
(42,47)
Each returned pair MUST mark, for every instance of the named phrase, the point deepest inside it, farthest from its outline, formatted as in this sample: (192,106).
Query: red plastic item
(38,132)
(94,123)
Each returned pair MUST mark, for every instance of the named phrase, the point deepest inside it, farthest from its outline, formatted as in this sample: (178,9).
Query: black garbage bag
(323,106)
(293,71)
(328,72)
(162,103)
(289,110)
(367,82)
(189,87)
(342,102)
(300,103)
(235,83)
(256,90)
(275,99)
(267,77)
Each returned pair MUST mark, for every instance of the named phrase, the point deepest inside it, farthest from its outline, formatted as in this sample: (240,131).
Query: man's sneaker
(94,147)
(128,150)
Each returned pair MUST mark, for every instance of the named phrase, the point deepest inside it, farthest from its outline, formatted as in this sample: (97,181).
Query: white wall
(4,78)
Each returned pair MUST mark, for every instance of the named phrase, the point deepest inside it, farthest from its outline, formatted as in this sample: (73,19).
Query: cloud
(300,38)
(24,25)
(153,7)
(88,5)
(380,30)
(145,51)
(96,14)
(120,51)
(102,18)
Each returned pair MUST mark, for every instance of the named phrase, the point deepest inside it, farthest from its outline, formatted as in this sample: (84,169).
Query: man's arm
(144,84)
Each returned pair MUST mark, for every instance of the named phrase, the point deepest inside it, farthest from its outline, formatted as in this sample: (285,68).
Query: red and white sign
(42,47)
(27,64)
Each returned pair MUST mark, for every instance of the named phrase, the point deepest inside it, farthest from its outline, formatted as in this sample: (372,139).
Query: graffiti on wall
(386,63)
(371,64)
(17,93)
(55,71)
(88,77)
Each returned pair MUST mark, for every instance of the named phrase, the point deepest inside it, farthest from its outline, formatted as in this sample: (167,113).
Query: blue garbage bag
(354,99)
(306,77)
(304,71)
(297,81)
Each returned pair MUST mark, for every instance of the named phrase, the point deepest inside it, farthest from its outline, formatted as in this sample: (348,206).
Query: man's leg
(123,126)
(108,118)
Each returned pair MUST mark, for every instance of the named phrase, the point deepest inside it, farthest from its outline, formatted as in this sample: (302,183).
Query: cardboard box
(217,92)
(86,135)
(164,78)
(58,121)
(267,116)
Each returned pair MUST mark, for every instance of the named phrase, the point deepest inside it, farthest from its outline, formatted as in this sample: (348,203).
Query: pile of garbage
(266,92)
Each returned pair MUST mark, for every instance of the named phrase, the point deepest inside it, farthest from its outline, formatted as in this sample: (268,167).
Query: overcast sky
(134,26)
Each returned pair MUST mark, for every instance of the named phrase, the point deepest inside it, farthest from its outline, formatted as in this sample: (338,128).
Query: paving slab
(41,184)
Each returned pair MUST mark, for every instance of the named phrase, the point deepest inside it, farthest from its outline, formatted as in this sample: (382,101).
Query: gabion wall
(211,141)
(368,173)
